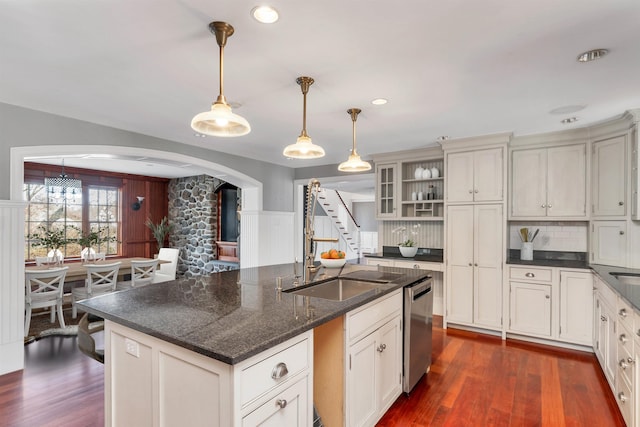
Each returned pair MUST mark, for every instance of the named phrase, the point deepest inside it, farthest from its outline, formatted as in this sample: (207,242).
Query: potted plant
(407,246)
(52,239)
(160,230)
(92,239)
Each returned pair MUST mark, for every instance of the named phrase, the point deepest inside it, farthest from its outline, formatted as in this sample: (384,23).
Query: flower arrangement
(406,241)
(49,238)
(160,230)
(94,238)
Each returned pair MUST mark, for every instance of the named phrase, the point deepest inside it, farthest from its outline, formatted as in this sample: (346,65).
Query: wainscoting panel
(266,238)
(11,286)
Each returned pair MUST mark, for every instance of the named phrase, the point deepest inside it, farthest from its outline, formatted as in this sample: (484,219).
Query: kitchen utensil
(524,232)
(535,234)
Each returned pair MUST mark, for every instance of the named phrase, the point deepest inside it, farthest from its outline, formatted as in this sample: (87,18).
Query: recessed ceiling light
(443,138)
(569,120)
(592,55)
(264,14)
(199,135)
(567,109)
(379,101)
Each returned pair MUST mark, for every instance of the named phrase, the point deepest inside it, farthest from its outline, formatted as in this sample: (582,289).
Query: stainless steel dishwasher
(418,324)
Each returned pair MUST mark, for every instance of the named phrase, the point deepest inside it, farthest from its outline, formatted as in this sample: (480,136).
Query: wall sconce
(137,205)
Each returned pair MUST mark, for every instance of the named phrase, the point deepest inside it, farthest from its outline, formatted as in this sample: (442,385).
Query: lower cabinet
(373,360)
(551,303)
(150,382)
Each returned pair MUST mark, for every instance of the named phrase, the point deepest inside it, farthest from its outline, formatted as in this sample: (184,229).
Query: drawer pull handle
(279,371)
(623,364)
(530,275)
(620,203)
(630,361)
(282,403)
(622,397)
(623,312)
(381,347)
(623,338)
(603,318)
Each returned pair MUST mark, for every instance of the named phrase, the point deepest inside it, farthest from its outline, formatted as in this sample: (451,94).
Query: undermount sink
(339,289)
(627,278)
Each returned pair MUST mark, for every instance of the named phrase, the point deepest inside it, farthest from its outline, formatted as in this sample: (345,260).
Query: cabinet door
(635,176)
(609,240)
(488,175)
(599,330)
(609,172)
(362,382)
(487,244)
(610,349)
(529,183)
(387,190)
(287,408)
(460,263)
(567,181)
(389,370)
(459,180)
(530,308)
(576,307)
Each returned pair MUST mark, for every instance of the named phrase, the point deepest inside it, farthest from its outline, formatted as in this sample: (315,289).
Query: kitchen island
(194,349)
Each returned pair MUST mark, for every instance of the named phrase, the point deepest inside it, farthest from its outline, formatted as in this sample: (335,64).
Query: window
(95,208)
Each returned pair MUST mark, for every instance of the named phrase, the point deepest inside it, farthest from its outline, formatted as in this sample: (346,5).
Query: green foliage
(94,237)
(407,243)
(49,238)
(160,230)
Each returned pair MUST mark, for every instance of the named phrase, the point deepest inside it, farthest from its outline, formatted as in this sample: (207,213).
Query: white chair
(44,289)
(42,260)
(167,271)
(142,273)
(101,279)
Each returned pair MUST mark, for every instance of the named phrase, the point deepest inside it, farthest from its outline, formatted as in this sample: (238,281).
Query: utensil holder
(526,253)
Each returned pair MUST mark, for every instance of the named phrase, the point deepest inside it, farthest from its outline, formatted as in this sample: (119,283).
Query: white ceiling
(458,68)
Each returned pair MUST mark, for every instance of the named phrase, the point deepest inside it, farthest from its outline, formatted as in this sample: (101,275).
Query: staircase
(342,220)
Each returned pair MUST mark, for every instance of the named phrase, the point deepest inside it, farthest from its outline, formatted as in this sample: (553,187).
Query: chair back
(42,260)
(102,278)
(143,271)
(44,286)
(169,254)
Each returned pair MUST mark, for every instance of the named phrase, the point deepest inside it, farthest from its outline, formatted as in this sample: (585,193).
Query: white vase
(435,173)
(418,173)
(408,251)
(426,173)
(420,195)
(414,196)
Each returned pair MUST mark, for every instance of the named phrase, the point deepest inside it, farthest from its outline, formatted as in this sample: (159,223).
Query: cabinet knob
(470,265)
(282,403)
(638,332)
(416,266)
(623,338)
(630,361)
(475,191)
(623,312)
(621,232)
(622,397)
(543,206)
(470,191)
(279,371)
(604,319)
(381,347)
(549,206)
(547,296)
(623,364)
(475,264)
(530,275)
(620,203)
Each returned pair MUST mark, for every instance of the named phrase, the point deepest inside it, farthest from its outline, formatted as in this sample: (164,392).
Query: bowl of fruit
(333,258)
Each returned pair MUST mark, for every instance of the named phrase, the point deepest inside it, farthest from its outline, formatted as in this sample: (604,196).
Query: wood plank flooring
(475,380)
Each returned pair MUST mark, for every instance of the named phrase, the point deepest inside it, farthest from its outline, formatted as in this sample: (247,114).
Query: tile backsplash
(566,236)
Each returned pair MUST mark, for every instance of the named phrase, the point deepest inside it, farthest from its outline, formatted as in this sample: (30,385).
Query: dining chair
(44,289)
(42,260)
(142,273)
(101,279)
(167,271)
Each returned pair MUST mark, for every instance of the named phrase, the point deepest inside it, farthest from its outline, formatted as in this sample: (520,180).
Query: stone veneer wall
(192,210)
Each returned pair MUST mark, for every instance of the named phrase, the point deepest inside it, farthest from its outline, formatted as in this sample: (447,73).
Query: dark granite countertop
(233,315)
(423,254)
(551,259)
(631,293)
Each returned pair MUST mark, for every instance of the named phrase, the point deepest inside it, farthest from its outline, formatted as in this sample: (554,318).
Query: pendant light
(354,164)
(304,148)
(62,187)
(220,121)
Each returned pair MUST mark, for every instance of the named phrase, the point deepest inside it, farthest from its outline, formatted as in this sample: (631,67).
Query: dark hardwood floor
(475,380)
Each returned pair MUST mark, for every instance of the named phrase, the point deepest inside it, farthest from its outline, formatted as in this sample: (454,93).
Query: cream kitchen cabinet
(373,360)
(549,182)
(475,176)
(145,378)
(609,242)
(530,308)
(635,175)
(604,329)
(609,177)
(386,190)
(576,312)
(474,265)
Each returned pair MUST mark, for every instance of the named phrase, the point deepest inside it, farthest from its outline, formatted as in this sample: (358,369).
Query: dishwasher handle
(419,289)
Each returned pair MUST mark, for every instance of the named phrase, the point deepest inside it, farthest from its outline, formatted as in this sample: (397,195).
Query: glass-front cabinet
(386,190)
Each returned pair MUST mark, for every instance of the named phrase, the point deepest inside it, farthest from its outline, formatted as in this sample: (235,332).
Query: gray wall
(20,127)
(365,215)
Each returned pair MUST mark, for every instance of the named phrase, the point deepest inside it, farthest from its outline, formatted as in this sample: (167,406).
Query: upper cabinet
(549,183)
(635,174)
(474,176)
(608,183)
(410,185)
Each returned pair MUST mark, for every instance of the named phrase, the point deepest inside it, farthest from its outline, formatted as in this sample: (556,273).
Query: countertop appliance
(418,324)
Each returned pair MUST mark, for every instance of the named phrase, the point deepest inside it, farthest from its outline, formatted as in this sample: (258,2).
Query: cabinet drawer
(625,316)
(363,320)
(626,362)
(256,379)
(531,273)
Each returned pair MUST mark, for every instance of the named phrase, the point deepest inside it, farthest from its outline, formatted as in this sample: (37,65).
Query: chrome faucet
(309,248)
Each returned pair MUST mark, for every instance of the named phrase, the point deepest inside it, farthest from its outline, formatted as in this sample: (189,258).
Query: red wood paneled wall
(136,238)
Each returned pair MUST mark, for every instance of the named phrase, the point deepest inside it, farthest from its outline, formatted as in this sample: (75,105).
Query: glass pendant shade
(63,187)
(304,148)
(220,121)
(354,163)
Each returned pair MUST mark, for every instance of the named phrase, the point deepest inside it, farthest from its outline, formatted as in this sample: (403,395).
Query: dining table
(78,270)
